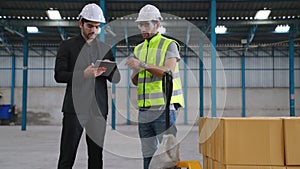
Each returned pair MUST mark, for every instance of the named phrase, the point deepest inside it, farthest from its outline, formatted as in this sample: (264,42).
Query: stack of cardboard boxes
(250,143)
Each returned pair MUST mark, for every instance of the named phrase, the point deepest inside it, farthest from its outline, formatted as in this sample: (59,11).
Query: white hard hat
(92,12)
(149,13)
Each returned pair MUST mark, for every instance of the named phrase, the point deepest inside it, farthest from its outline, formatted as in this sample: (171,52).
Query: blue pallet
(5,111)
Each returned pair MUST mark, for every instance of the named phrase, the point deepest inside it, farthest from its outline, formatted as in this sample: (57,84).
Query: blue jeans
(152,126)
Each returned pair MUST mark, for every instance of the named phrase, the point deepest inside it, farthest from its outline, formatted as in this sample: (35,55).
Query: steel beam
(213,58)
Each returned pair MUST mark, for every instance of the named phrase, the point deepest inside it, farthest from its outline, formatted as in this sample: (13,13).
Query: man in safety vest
(156,55)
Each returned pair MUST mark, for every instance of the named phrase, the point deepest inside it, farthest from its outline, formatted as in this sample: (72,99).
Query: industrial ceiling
(236,15)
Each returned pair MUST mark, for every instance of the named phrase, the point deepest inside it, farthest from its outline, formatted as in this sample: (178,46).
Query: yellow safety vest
(150,91)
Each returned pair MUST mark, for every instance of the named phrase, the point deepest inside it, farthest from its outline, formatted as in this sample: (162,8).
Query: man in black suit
(85,103)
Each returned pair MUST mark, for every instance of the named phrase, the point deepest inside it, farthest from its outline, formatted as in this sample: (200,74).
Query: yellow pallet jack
(190,164)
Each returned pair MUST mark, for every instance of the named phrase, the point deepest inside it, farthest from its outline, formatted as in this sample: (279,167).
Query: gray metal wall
(265,66)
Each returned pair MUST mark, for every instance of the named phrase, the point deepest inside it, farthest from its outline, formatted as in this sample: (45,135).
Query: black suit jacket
(66,68)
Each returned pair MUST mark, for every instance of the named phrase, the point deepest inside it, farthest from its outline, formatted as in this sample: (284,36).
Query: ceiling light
(243,41)
(53,14)
(262,14)
(32,29)
(220,29)
(282,28)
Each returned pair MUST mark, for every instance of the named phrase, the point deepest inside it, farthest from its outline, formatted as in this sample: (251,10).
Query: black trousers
(70,137)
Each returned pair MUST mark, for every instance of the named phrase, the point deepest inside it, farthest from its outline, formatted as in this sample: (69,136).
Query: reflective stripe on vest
(149,86)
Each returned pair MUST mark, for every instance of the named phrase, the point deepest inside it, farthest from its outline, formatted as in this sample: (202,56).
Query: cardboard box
(218,165)
(202,144)
(210,163)
(205,161)
(292,140)
(250,141)
(252,167)
(201,122)
(219,142)
(207,127)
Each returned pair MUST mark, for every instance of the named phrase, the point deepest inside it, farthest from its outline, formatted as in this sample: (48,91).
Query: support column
(201,94)
(25,78)
(213,58)
(185,93)
(128,78)
(291,72)
(103,7)
(243,85)
(13,84)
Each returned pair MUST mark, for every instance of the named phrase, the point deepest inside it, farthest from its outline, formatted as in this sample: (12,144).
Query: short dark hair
(84,20)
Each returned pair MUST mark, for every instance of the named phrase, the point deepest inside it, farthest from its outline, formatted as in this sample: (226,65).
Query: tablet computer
(109,65)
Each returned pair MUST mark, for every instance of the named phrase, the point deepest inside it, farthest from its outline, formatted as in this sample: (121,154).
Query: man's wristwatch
(143,65)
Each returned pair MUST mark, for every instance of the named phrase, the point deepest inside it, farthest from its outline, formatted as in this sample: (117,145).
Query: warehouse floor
(38,147)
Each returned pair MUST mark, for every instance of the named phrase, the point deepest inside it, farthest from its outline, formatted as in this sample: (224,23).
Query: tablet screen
(108,65)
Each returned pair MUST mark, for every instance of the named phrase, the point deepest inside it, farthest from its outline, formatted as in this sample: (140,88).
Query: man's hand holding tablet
(105,64)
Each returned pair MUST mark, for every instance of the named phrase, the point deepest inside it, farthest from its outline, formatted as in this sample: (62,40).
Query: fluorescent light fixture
(53,14)
(32,29)
(243,41)
(262,14)
(282,28)
(220,29)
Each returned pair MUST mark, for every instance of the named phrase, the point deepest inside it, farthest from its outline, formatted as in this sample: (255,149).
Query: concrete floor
(38,147)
